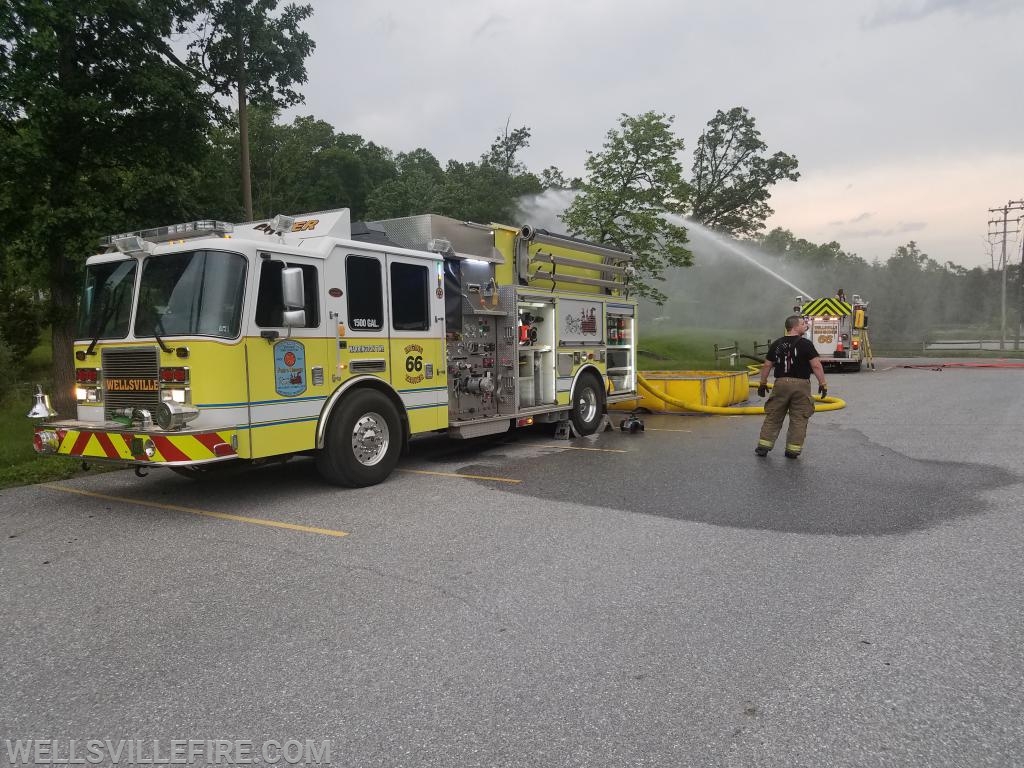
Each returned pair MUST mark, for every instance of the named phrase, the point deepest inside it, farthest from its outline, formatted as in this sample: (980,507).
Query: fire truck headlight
(175,395)
(171,415)
(87,394)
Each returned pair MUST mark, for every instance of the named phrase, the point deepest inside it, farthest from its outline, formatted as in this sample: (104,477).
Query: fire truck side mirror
(294,318)
(293,297)
(292,289)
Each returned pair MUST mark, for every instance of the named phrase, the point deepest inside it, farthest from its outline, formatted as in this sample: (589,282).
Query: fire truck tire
(587,404)
(362,442)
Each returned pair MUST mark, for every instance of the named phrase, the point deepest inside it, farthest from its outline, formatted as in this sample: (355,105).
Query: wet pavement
(659,598)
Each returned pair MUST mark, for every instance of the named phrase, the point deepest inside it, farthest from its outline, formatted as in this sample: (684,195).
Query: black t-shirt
(792,356)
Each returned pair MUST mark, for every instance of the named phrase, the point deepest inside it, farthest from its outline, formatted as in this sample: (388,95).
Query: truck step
(468,431)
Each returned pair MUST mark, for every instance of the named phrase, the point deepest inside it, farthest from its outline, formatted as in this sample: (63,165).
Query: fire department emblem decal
(289,368)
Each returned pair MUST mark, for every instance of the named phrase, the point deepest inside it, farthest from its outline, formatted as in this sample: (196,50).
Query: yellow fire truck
(205,343)
(838,329)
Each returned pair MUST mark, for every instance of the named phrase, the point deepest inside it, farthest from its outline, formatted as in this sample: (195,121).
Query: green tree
(801,252)
(732,177)
(505,148)
(105,129)
(306,166)
(487,191)
(553,178)
(376,166)
(102,132)
(416,185)
(484,192)
(911,292)
(242,49)
(21,313)
(626,200)
(298,167)
(216,188)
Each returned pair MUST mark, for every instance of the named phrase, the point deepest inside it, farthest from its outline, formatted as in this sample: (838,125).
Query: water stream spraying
(543,210)
(693,228)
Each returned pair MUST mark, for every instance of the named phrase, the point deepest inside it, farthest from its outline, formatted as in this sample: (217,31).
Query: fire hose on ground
(820,404)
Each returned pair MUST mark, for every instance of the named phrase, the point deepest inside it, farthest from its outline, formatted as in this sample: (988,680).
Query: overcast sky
(906,115)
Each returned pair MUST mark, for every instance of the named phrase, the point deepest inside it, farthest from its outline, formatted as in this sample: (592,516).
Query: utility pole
(1012,205)
(1020,299)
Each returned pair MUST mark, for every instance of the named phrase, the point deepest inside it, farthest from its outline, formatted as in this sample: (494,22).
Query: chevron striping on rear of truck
(833,307)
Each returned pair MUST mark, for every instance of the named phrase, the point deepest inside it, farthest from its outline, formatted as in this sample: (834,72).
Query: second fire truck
(838,329)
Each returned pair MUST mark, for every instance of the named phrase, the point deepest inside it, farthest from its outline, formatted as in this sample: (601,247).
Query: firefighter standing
(793,358)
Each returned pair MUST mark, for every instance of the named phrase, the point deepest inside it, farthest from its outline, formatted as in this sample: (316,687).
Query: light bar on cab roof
(174,231)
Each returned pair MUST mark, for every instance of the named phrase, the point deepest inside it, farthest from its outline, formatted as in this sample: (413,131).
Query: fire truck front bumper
(96,442)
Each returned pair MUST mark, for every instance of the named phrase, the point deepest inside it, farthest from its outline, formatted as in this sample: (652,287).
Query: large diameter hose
(826,404)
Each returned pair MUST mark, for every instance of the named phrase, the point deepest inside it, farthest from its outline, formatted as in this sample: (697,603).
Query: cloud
(899,228)
(869,116)
(855,220)
(942,202)
(388,25)
(901,11)
(492,24)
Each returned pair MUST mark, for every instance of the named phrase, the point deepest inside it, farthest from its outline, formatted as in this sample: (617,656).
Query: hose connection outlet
(47,441)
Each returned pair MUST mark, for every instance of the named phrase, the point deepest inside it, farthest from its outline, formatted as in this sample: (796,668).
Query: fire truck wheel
(587,404)
(363,441)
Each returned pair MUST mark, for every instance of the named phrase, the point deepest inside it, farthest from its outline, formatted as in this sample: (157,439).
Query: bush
(6,381)
(21,323)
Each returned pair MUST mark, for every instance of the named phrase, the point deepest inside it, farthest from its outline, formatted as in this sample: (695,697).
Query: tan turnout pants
(792,396)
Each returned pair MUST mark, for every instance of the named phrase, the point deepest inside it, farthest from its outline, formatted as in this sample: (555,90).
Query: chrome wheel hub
(586,404)
(370,439)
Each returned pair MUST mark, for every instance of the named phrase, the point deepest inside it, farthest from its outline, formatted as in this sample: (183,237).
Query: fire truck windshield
(106,304)
(195,293)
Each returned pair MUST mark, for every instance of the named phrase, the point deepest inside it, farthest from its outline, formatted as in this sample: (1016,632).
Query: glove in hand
(822,391)
(762,390)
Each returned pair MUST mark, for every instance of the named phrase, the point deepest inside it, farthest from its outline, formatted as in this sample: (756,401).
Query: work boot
(761,451)
(792,455)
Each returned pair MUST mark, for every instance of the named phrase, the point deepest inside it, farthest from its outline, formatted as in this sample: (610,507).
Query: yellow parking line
(456,474)
(203,512)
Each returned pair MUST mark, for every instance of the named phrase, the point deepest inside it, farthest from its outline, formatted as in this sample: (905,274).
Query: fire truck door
(288,368)
(825,334)
(418,369)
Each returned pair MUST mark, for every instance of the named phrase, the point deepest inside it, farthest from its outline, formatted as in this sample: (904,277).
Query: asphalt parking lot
(661,598)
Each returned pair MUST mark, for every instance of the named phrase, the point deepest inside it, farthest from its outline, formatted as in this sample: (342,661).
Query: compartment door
(416,307)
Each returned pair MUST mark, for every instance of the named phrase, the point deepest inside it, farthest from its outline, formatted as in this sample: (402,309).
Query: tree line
(116,116)
(912,298)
